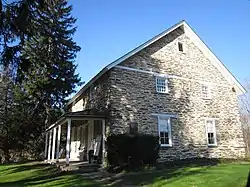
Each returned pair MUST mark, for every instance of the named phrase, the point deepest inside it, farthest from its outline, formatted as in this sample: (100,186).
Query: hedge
(126,151)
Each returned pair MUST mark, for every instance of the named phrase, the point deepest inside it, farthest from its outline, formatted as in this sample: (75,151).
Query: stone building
(172,86)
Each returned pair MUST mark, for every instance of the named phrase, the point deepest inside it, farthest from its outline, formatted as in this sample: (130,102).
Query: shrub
(126,151)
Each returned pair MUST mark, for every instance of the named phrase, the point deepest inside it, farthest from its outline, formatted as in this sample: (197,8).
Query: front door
(75,143)
(90,134)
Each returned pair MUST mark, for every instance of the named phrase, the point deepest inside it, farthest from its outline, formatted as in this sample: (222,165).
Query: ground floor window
(211,132)
(164,127)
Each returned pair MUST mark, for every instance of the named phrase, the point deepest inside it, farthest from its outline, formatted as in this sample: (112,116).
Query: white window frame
(209,95)
(214,131)
(169,131)
(156,84)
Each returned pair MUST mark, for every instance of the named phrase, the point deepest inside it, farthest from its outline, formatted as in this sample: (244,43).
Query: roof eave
(149,42)
(224,69)
(121,59)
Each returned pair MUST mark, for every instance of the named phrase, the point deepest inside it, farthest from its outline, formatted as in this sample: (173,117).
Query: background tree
(36,45)
(14,133)
(20,120)
(50,52)
(244,101)
(6,130)
(15,27)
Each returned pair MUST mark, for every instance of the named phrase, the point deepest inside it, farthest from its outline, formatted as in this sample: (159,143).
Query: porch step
(89,168)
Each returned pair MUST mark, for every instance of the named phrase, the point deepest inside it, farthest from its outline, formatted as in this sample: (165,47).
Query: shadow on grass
(11,169)
(166,171)
(53,180)
(169,171)
(33,174)
(47,175)
(248,180)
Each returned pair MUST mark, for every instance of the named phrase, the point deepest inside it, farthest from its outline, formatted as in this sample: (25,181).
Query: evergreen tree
(36,45)
(50,75)
(13,30)
(5,94)
(20,120)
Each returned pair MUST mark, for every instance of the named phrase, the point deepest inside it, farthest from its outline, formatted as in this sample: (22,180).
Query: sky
(108,29)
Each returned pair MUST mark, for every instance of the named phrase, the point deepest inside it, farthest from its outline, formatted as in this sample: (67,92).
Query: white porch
(76,136)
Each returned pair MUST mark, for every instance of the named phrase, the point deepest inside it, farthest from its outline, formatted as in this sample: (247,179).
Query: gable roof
(196,39)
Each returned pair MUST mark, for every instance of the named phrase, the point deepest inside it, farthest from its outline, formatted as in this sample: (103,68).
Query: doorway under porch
(76,136)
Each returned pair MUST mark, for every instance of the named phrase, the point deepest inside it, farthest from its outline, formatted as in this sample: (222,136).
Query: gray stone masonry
(130,96)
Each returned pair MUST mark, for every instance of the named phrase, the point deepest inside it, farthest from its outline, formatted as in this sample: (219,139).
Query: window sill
(208,99)
(167,145)
(212,145)
(162,92)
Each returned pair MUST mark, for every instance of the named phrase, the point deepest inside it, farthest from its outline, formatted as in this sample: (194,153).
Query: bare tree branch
(244,103)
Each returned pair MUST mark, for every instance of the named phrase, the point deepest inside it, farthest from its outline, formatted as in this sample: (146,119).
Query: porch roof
(79,115)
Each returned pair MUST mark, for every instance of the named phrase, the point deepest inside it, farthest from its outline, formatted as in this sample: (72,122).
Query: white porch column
(58,143)
(49,150)
(103,141)
(54,143)
(68,142)
(46,146)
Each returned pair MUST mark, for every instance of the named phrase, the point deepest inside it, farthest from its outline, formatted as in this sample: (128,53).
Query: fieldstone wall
(130,97)
(99,98)
(133,99)
(98,101)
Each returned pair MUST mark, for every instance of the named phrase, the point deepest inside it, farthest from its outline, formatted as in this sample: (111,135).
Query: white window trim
(172,76)
(165,115)
(209,92)
(166,83)
(214,127)
(169,133)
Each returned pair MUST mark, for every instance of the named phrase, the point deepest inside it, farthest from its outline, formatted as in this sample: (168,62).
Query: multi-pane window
(211,133)
(164,125)
(161,85)
(205,92)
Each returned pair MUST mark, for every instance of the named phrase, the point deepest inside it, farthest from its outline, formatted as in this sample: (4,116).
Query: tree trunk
(48,115)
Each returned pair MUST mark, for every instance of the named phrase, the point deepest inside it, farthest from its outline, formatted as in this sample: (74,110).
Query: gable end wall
(133,99)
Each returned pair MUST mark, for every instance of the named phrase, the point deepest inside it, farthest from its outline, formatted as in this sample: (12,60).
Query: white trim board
(213,58)
(165,115)
(203,47)
(170,76)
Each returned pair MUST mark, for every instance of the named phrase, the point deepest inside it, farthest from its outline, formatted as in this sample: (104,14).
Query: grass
(36,174)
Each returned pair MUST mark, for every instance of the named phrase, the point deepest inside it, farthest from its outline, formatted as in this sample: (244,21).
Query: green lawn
(35,174)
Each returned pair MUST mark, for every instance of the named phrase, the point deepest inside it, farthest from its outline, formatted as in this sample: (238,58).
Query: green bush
(126,151)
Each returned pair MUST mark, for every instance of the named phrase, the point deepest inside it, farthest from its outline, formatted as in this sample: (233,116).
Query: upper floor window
(211,133)
(161,85)
(180,47)
(205,92)
(164,126)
